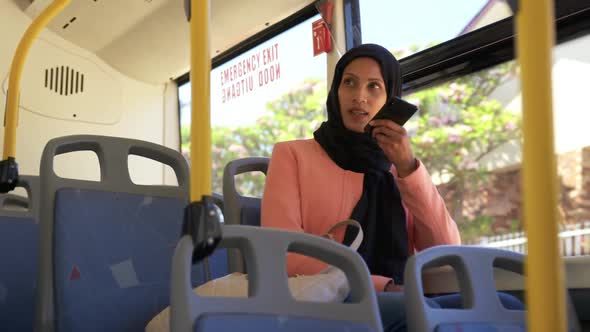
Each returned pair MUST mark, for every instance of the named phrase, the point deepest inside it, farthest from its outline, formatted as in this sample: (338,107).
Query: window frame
(484,48)
(352,23)
(272,31)
(298,17)
(480,49)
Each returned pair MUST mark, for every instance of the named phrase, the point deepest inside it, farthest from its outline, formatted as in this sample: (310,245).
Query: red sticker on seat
(75,274)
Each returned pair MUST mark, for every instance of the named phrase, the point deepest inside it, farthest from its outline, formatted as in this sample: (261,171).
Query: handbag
(330,285)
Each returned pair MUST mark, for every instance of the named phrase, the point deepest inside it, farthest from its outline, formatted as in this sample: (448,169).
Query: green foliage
(459,124)
(185,139)
(293,116)
(479,226)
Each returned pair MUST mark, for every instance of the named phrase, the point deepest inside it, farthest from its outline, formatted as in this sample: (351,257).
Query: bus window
(468,135)
(273,92)
(415,25)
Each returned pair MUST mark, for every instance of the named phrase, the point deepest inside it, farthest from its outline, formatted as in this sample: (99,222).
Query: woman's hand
(393,139)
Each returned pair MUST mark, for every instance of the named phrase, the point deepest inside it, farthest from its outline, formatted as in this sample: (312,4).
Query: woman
(345,173)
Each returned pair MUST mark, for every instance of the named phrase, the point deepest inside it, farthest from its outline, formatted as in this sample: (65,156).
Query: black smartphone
(397,110)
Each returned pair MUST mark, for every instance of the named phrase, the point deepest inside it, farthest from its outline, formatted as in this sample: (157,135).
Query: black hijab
(379,210)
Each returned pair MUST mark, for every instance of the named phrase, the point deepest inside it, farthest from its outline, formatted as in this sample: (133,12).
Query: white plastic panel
(79,91)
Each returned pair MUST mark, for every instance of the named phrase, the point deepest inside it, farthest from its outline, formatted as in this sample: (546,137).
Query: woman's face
(361,93)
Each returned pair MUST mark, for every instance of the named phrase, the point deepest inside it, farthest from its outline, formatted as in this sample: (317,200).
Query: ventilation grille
(64,80)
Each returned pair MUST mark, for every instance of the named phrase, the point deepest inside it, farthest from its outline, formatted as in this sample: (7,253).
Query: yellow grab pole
(544,271)
(16,70)
(200,117)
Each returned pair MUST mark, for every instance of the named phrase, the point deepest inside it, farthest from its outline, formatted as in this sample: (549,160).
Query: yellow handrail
(545,287)
(200,150)
(16,71)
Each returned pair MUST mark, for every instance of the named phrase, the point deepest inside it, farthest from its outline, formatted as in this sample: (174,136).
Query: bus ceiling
(149,40)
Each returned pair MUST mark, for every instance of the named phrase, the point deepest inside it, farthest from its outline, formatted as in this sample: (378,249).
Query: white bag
(330,285)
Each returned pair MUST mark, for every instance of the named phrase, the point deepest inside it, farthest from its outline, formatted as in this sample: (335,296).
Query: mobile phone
(396,110)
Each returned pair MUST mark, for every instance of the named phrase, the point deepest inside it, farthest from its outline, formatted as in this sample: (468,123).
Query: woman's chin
(357,128)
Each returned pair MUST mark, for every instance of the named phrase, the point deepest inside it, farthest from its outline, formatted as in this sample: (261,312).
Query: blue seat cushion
(19,238)
(218,264)
(250,214)
(259,323)
(113,256)
(480,327)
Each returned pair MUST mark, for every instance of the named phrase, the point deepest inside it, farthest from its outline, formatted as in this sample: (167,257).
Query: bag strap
(350,222)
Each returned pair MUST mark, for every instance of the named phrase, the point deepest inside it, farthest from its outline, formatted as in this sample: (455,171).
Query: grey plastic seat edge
(112,153)
(26,259)
(474,268)
(265,253)
(31,184)
(13,200)
(231,199)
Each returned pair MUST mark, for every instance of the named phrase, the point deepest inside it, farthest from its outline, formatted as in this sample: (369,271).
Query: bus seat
(270,306)
(19,232)
(241,210)
(482,310)
(107,246)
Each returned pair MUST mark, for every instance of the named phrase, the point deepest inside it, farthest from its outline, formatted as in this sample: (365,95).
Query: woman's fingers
(382,123)
(395,143)
(387,134)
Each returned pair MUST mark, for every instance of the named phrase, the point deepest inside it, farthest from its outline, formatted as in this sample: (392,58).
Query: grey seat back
(482,309)
(238,209)
(20,206)
(106,247)
(19,232)
(270,306)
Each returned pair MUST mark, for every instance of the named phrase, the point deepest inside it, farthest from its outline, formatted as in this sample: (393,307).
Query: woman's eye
(347,82)
(374,86)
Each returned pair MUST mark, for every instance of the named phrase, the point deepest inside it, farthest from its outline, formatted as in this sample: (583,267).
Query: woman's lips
(358,114)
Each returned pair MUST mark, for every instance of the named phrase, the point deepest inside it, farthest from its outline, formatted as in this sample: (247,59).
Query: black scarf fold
(379,210)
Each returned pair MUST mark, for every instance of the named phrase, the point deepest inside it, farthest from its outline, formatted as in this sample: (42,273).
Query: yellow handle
(16,70)
(200,151)
(545,287)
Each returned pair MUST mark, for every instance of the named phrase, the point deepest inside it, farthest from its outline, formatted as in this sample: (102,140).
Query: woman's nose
(359,97)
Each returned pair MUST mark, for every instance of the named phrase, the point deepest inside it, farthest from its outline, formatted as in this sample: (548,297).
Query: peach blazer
(307,192)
